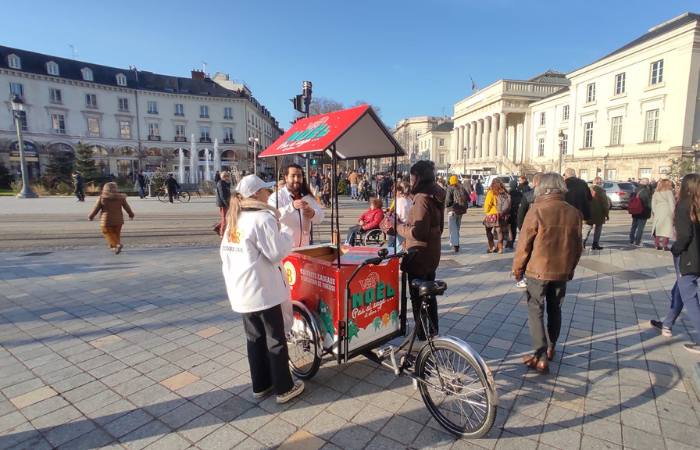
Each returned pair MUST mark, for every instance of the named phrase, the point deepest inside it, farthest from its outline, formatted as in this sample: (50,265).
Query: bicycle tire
(162,197)
(300,346)
(184,197)
(428,364)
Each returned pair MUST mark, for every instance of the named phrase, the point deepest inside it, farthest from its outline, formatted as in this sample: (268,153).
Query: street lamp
(561,148)
(254,141)
(17,110)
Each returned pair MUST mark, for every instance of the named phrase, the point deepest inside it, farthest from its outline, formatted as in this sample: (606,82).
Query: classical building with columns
(628,114)
(491,126)
(132,119)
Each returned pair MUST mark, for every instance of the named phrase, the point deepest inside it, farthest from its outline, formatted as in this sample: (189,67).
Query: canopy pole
(336,233)
(396,202)
(277,177)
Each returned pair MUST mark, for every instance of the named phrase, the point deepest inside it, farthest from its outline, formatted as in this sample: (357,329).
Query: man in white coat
(297,207)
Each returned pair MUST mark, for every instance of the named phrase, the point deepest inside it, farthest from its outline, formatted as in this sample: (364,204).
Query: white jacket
(292,218)
(254,278)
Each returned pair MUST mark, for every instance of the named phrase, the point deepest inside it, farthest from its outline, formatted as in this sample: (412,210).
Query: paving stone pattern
(143,351)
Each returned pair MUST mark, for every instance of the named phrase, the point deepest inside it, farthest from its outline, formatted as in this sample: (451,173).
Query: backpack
(459,201)
(635,207)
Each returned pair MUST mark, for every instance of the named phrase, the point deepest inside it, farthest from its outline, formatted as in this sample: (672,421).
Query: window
(565,112)
(228,113)
(616,130)
(180,131)
(204,111)
(87,74)
(93,126)
(583,174)
(179,109)
(52,68)
(588,135)
(123,104)
(651,126)
(204,134)
(125,129)
(228,135)
(540,147)
(153,129)
(58,123)
(152,107)
(564,144)
(590,93)
(611,174)
(22,117)
(14,62)
(620,83)
(543,119)
(644,173)
(55,96)
(91,100)
(17,89)
(441,159)
(121,79)
(657,72)
(441,142)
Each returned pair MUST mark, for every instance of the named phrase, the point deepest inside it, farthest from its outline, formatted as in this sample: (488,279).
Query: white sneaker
(263,394)
(521,284)
(292,393)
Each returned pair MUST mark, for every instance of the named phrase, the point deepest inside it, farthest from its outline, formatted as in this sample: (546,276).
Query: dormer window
(87,74)
(121,79)
(52,68)
(14,62)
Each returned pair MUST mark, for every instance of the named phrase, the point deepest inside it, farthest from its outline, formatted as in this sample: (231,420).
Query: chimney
(198,74)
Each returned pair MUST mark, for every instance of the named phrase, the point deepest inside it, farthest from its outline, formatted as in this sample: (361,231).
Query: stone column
(460,139)
(502,121)
(526,137)
(454,146)
(519,143)
(493,150)
(465,146)
(479,144)
(485,138)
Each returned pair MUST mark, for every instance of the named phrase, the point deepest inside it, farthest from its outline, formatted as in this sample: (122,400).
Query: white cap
(250,184)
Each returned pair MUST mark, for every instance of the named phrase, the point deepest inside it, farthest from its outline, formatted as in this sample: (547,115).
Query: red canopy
(356,132)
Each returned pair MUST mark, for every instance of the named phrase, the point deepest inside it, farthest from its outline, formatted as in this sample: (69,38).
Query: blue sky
(407,57)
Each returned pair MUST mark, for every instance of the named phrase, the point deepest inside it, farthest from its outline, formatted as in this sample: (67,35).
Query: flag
(473,83)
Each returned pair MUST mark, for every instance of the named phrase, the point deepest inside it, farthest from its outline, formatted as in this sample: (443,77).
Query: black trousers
(267,350)
(432,308)
(539,294)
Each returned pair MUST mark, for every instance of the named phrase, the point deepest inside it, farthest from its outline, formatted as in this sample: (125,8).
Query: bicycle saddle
(426,288)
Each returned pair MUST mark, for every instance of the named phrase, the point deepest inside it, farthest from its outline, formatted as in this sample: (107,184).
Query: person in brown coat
(547,253)
(109,205)
(423,233)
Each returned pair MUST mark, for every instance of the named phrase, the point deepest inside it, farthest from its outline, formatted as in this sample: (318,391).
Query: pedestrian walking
(640,208)
(217,177)
(496,216)
(456,205)
(479,188)
(663,203)
(385,189)
(525,202)
(78,186)
(578,194)
(172,186)
(109,205)
(141,183)
(298,209)
(422,232)
(251,252)
(353,179)
(686,259)
(548,251)
(517,189)
(600,213)
(223,196)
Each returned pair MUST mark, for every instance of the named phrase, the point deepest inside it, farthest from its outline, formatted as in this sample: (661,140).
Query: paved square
(143,351)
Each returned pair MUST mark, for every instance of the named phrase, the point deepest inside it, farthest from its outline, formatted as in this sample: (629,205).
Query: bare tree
(376,108)
(323,105)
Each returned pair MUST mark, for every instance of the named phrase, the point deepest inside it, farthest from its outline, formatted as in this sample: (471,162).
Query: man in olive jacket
(423,233)
(600,213)
(547,253)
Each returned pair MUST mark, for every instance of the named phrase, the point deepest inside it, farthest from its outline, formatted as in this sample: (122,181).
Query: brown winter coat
(549,245)
(110,205)
(423,230)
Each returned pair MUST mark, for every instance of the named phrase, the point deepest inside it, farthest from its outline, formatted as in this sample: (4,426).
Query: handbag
(387,224)
(491,220)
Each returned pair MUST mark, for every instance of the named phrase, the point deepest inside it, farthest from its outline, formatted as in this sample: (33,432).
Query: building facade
(132,119)
(434,145)
(410,133)
(628,114)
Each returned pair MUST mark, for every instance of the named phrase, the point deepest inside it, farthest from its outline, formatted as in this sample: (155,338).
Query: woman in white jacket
(663,203)
(251,251)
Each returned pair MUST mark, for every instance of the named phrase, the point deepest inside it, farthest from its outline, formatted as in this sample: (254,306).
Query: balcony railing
(153,137)
(204,139)
(180,139)
(229,141)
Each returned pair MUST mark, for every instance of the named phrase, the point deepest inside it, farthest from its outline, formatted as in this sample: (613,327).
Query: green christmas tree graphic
(326,318)
(353,330)
(377,322)
(394,318)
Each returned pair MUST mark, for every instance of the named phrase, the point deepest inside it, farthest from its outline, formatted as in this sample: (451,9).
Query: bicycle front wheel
(185,197)
(162,196)
(455,389)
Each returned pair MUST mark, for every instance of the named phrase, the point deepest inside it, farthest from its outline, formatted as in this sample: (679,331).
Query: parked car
(505,179)
(619,193)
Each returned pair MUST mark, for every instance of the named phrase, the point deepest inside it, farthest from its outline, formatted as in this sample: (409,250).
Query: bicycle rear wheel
(162,196)
(455,389)
(184,197)
(303,345)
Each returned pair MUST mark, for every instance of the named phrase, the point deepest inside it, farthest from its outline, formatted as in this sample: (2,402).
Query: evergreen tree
(5,177)
(60,167)
(85,162)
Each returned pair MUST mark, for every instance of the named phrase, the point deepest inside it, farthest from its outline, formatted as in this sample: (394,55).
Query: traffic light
(314,162)
(298,102)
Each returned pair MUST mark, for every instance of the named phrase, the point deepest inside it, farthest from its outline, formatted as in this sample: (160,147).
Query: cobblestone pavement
(142,350)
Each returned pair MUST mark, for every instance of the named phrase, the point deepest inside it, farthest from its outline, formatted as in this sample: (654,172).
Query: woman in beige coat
(663,203)
(109,205)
